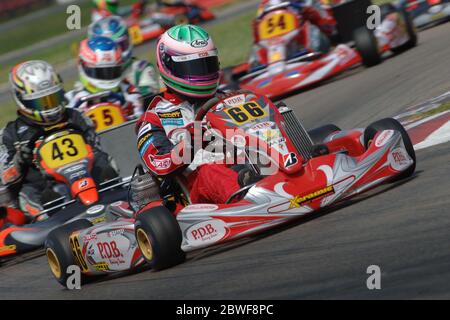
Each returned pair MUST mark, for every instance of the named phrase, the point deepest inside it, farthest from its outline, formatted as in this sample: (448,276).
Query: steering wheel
(208,105)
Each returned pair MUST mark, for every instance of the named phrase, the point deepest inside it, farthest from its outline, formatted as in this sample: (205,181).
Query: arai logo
(199,43)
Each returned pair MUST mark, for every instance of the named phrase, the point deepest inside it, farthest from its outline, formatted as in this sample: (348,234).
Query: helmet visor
(103,73)
(198,67)
(47,102)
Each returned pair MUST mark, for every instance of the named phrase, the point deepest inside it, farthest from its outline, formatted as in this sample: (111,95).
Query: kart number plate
(277,24)
(246,112)
(63,150)
(105,117)
(136,34)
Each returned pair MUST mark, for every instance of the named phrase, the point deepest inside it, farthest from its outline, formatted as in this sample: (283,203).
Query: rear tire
(319,134)
(159,238)
(392,124)
(410,29)
(367,46)
(58,250)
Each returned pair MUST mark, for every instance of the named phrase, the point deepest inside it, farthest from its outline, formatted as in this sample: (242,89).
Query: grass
(442,108)
(233,48)
(44,28)
(51,25)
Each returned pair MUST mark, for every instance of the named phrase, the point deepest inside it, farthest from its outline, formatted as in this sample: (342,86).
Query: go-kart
(149,22)
(106,114)
(299,173)
(296,55)
(425,13)
(66,160)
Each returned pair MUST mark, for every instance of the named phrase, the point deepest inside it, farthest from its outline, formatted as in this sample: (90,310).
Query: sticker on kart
(277,24)
(106,116)
(135,33)
(63,150)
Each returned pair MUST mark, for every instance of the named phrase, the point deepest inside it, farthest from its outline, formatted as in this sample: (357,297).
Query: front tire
(367,46)
(58,250)
(392,124)
(318,135)
(159,238)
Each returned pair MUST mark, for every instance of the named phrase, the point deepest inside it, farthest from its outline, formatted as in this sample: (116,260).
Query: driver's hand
(25,153)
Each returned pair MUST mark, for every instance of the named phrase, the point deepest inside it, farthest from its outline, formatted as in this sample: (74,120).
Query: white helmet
(38,91)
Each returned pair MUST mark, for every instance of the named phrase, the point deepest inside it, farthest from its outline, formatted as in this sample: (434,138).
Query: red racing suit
(159,146)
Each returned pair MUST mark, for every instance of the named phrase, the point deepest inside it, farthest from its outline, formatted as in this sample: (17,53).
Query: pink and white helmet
(188,61)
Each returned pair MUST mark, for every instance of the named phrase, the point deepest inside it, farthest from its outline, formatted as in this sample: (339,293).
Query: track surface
(404,230)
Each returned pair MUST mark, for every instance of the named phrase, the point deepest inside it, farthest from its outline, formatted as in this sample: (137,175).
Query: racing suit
(308,10)
(158,144)
(143,77)
(20,174)
(140,81)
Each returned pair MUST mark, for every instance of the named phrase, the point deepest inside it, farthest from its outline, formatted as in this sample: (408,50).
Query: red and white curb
(425,125)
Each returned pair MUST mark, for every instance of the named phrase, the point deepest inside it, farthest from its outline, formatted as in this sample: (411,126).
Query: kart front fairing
(315,183)
(277,198)
(296,75)
(254,123)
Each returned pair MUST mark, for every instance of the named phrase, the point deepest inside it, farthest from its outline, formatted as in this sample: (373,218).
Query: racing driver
(188,62)
(39,94)
(308,10)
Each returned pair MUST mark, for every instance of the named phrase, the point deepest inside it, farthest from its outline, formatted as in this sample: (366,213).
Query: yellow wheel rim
(144,244)
(53,262)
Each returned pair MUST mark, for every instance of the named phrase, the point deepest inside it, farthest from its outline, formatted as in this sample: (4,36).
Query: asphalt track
(404,230)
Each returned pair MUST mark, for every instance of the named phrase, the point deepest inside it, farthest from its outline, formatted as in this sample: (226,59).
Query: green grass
(442,108)
(232,37)
(52,25)
(44,28)
(38,30)
(54,55)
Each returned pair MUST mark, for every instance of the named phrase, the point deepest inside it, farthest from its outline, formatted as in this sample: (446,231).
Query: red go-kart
(300,173)
(291,54)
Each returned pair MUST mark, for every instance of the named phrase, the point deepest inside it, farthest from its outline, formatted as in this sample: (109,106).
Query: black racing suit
(20,174)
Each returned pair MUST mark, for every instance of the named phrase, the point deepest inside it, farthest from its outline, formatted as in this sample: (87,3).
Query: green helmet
(188,61)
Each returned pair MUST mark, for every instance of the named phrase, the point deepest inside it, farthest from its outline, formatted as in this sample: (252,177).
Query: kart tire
(392,124)
(319,134)
(159,238)
(58,250)
(411,30)
(367,46)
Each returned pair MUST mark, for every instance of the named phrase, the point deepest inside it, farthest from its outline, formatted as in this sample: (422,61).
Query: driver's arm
(156,150)
(319,17)
(11,162)
(85,125)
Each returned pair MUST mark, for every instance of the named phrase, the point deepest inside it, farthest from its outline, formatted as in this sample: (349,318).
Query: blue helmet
(114,27)
(100,64)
